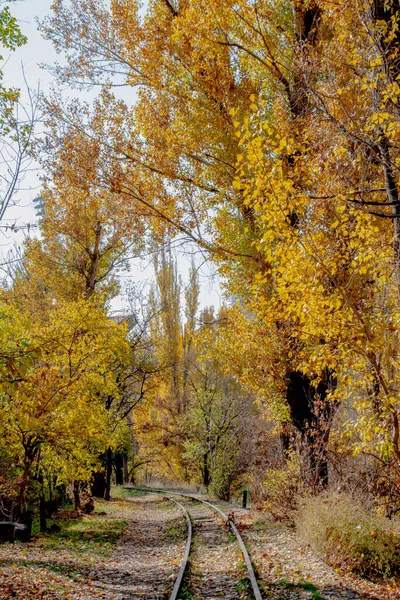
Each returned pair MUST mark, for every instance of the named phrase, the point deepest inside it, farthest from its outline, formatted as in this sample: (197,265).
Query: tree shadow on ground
(104,577)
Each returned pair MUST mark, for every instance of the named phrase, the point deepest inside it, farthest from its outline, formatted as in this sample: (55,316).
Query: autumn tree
(136,381)
(219,418)
(158,421)
(323,202)
(268,134)
(196,176)
(55,366)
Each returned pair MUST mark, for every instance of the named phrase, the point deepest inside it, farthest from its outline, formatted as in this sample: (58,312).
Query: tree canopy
(265,134)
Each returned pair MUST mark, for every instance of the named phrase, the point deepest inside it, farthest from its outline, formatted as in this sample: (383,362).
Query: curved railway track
(207,526)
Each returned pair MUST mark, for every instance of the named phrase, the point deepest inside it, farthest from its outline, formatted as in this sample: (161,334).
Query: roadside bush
(350,536)
(279,490)
(224,474)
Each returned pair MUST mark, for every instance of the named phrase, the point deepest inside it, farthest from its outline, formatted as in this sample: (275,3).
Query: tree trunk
(93,264)
(125,468)
(206,471)
(119,468)
(31,452)
(98,485)
(77,496)
(312,413)
(43,512)
(22,489)
(107,495)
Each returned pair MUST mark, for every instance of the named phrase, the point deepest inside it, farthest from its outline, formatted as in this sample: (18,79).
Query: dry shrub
(350,536)
(279,490)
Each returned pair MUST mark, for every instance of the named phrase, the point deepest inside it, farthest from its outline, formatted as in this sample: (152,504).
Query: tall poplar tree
(268,134)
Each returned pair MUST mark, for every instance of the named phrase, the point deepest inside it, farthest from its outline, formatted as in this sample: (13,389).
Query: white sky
(27,59)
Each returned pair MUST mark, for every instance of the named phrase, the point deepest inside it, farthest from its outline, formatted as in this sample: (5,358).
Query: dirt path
(133,548)
(84,563)
(146,560)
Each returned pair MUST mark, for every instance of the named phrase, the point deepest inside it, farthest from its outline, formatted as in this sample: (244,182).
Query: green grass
(231,536)
(139,493)
(94,536)
(194,502)
(121,492)
(309,587)
(260,526)
(301,585)
(243,583)
(175,529)
(186,594)
(36,520)
(81,541)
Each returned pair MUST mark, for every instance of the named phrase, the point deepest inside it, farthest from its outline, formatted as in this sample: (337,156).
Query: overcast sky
(27,60)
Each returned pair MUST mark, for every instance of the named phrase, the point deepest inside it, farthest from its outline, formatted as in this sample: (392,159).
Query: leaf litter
(125,554)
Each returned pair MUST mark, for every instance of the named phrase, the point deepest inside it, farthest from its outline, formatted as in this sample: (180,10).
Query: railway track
(213,542)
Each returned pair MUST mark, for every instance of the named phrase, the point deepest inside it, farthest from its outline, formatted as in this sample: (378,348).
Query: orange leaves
(273,146)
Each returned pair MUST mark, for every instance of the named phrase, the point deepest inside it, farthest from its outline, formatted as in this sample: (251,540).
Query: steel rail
(185,559)
(246,556)
(231,525)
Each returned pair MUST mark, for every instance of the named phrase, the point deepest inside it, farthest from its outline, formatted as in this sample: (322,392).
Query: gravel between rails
(215,568)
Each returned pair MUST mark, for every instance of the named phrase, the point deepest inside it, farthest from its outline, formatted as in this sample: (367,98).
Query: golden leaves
(62,367)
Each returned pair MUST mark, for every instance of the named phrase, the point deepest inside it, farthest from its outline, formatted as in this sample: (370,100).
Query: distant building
(39,206)
(130,320)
